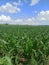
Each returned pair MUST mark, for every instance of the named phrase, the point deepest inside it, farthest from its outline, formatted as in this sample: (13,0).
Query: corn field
(24,45)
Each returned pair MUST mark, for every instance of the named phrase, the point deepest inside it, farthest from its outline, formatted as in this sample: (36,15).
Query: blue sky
(26,12)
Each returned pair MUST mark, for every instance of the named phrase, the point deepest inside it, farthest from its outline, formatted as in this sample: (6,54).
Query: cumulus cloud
(34,2)
(5,19)
(43,15)
(8,7)
(42,18)
(19,21)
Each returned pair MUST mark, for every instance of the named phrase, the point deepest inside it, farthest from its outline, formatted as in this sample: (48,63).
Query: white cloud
(42,18)
(18,3)
(28,21)
(34,2)
(43,15)
(7,19)
(9,8)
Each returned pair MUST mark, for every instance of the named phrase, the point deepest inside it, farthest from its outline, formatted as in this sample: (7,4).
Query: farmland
(24,45)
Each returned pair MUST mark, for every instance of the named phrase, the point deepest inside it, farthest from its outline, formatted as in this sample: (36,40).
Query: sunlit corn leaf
(7,60)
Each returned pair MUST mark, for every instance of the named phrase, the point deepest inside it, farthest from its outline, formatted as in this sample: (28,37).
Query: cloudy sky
(24,12)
